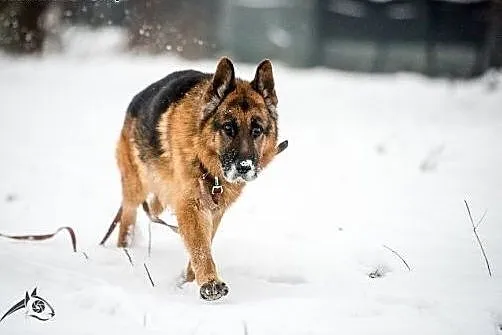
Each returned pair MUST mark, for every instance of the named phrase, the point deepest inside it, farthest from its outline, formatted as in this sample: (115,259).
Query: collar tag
(217,188)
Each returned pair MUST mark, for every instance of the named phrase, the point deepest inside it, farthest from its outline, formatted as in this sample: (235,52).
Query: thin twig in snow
(474,229)
(128,256)
(149,276)
(398,255)
(482,218)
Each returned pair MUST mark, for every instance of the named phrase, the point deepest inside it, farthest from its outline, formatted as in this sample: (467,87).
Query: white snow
(372,161)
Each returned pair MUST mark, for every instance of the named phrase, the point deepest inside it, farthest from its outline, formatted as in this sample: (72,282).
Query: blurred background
(454,38)
(376,158)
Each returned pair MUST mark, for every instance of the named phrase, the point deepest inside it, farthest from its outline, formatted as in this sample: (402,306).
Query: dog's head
(239,121)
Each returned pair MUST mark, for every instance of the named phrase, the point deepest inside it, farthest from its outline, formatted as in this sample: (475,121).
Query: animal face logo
(35,307)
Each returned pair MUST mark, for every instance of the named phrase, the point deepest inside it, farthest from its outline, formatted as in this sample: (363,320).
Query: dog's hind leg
(127,222)
(133,190)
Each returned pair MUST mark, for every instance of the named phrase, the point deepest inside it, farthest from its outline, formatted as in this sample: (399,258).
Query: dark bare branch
(128,256)
(398,255)
(42,237)
(482,218)
(475,231)
(149,276)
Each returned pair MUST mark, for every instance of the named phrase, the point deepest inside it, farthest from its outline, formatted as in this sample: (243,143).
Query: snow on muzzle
(241,170)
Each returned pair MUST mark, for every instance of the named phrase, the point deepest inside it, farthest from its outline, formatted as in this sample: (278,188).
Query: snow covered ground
(372,161)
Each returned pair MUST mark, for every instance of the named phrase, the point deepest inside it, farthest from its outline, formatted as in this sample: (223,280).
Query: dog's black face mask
(244,120)
(239,159)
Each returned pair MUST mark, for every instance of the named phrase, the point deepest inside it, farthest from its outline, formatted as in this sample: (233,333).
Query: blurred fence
(456,38)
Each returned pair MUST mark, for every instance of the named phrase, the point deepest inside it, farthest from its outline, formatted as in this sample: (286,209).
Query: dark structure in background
(454,38)
(374,36)
(458,38)
(278,29)
(186,28)
(19,26)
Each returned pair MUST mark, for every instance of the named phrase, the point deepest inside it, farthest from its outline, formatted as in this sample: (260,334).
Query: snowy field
(372,161)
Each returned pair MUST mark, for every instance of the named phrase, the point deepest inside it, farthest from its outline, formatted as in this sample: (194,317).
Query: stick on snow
(42,237)
(128,256)
(149,276)
(475,231)
(398,255)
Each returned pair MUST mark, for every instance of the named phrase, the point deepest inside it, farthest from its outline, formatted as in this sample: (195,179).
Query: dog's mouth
(241,171)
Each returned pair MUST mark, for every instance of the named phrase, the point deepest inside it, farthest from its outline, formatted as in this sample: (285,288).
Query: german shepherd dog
(190,142)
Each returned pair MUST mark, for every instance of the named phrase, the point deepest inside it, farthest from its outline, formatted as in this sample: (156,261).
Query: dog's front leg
(189,274)
(195,227)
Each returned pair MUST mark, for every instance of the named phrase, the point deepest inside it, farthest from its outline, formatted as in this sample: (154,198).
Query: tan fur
(174,177)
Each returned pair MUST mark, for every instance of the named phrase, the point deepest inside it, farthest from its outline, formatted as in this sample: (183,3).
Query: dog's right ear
(222,83)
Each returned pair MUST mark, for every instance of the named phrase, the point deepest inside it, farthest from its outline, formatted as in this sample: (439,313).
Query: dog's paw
(213,290)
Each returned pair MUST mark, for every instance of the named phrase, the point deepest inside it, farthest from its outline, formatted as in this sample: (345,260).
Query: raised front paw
(213,290)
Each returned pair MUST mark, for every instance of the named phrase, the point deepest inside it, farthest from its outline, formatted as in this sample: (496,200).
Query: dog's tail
(112,226)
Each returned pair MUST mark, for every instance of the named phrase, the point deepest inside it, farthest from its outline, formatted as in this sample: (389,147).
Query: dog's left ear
(222,83)
(263,83)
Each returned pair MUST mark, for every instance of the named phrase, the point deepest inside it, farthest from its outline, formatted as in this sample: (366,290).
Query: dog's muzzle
(240,170)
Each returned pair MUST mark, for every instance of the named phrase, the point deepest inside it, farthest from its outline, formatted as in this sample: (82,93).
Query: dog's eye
(256,131)
(229,129)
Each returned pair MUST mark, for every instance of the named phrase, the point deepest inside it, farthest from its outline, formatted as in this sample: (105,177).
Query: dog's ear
(222,83)
(263,83)
(34,293)
(26,299)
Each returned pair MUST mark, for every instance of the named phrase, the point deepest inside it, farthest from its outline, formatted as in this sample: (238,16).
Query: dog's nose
(244,166)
